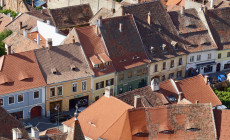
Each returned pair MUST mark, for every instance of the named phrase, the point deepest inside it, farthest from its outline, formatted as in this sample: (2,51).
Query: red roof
(20,72)
(192,89)
(94,47)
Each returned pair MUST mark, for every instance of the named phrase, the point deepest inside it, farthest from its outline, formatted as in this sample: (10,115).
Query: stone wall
(15,5)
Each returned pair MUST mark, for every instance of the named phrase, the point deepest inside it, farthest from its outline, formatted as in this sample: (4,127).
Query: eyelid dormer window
(193,129)
(167,132)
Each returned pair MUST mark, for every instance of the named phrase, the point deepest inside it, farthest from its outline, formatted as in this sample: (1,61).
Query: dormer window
(167,132)
(107,63)
(73,67)
(123,60)
(189,24)
(175,45)
(136,57)
(95,61)
(193,129)
(96,66)
(204,41)
(152,49)
(164,48)
(141,134)
(54,70)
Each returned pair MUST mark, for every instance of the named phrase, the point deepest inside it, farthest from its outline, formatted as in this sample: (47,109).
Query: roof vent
(141,134)
(120,27)
(204,41)
(73,67)
(123,60)
(54,70)
(189,23)
(175,45)
(193,129)
(167,132)
(136,57)
(164,48)
(152,49)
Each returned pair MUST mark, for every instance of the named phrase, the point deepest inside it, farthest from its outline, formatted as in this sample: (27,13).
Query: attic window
(164,48)
(73,67)
(193,129)
(152,49)
(136,57)
(123,60)
(204,41)
(107,63)
(175,45)
(54,71)
(190,24)
(172,99)
(141,134)
(96,66)
(167,132)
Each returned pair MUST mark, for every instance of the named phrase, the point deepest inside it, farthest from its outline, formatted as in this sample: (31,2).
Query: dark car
(213,80)
(62,117)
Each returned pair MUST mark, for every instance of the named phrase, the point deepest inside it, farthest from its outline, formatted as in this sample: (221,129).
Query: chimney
(205,9)
(32,3)
(120,27)
(212,4)
(48,22)
(34,132)
(8,50)
(49,43)
(17,134)
(2,3)
(197,101)
(137,100)
(73,40)
(149,18)
(182,10)
(155,85)
(25,33)
(38,39)
(108,91)
(20,25)
(179,97)
(206,79)
(100,21)
(122,10)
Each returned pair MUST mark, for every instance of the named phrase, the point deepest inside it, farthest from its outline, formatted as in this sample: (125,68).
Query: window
(96,98)
(209,56)
(192,59)
(36,94)
(171,75)
(219,55)
(99,85)
(227,66)
(59,90)
(121,76)
(208,69)
(180,62)
(172,64)
(96,66)
(130,88)
(83,86)
(52,91)
(11,100)
(74,87)
(164,65)
(20,98)
(139,72)
(109,82)
(129,74)
(179,74)
(198,57)
(228,54)
(156,67)
(163,78)
(120,90)
(1,102)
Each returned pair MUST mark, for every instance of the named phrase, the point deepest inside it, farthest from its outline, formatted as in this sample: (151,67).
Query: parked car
(27,125)
(221,77)
(62,117)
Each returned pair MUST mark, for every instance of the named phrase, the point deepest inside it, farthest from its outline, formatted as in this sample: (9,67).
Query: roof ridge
(66,7)
(137,4)
(85,27)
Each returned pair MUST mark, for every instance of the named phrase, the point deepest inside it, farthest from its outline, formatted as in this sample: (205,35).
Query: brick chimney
(108,91)
(33,3)
(8,49)
(122,10)
(49,43)
(149,18)
(38,39)
(20,25)
(137,100)
(182,10)
(73,40)
(206,79)
(120,27)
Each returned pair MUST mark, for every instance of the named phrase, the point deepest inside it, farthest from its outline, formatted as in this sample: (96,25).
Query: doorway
(218,67)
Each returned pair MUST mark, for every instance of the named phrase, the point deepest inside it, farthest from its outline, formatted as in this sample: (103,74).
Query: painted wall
(68,93)
(100,92)
(28,101)
(168,70)
(224,58)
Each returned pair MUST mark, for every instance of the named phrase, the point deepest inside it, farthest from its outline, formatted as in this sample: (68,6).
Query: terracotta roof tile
(222,120)
(76,132)
(105,13)
(100,116)
(93,45)
(33,36)
(71,16)
(192,89)
(41,14)
(69,122)
(123,46)
(104,57)
(20,43)
(159,34)
(27,64)
(94,59)
(61,58)
(4,20)
(50,131)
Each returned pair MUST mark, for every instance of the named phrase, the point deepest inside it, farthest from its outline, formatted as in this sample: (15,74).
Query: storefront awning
(205,64)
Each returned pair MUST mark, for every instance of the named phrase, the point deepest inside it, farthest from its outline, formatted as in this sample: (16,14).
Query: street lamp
(57,108)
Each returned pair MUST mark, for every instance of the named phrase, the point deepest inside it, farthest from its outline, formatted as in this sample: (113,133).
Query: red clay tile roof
(69,122)
(192,89)
(153,98)
(20,43)
(105,13)
(192,31)
(4,20)
(41,14)
(161,32)
(95,60)
(123,46)
(93,46)
(61,58)
(222,120)
(18,63)
(101,115)
(50,131)
(219,24)
(7,123)
(33,36)
(71,16)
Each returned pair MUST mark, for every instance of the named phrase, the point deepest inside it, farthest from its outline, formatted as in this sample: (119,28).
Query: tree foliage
(224,96)
(4,34)
(7,11)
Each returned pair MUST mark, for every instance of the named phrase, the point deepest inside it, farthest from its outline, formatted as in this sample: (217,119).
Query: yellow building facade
(169,68)
(99,91)
(223,60)
(73,92)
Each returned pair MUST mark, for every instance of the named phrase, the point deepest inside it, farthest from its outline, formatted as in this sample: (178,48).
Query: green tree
(224,96)
(4,34)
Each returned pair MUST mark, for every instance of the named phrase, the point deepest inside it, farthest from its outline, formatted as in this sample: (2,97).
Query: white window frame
(210,56)
(54,92)
(85,85)
(61,90)
(76,87)
(22,97)
(197,57)
(2,101)
(38,95)
(9,100)
(191,59)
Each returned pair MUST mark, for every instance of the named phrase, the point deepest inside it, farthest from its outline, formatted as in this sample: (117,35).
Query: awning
(205,64)
(38,3)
